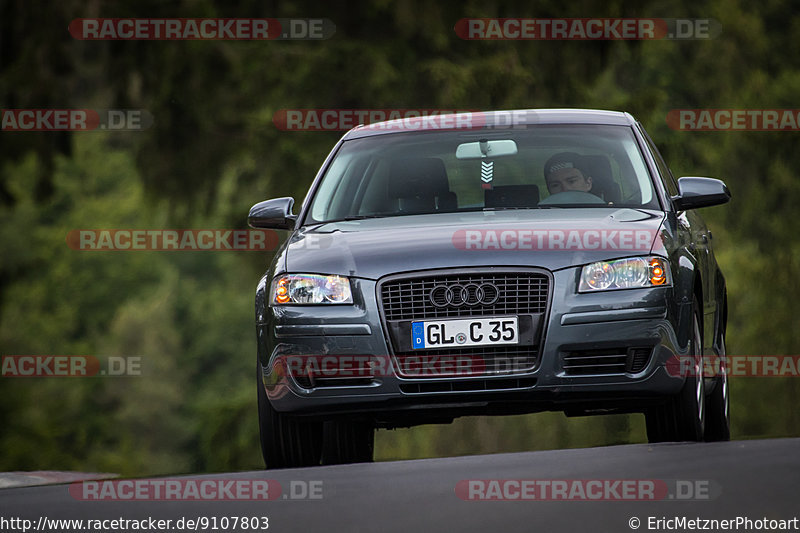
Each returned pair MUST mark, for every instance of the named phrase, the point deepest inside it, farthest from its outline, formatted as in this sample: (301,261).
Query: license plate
(465,332)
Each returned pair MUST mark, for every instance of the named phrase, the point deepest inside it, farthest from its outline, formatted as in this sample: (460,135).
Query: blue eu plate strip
(417,335)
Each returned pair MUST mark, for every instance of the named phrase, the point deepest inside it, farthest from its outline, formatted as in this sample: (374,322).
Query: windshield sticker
(487,174)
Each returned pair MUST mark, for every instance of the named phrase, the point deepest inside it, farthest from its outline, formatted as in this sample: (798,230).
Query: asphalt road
(750,479)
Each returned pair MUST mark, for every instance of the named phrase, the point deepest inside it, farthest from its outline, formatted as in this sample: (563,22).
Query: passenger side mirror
(272,214)
(695,192)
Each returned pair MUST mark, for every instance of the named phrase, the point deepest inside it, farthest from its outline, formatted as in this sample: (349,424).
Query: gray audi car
(491,263)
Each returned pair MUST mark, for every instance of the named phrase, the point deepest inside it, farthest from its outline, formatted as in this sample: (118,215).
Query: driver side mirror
(695,192)
(272,214)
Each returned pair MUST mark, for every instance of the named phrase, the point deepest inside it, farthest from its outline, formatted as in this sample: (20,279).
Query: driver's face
(568,179)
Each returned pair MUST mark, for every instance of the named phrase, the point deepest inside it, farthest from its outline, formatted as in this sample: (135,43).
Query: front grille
(518,293)
(475,385)
(606,362)
(475,360)
(327,383)
(639,357)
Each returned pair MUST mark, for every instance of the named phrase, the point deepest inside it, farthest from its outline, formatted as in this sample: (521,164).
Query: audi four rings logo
(471,294)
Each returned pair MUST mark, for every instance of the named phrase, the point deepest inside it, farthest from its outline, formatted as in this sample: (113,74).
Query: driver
(562,173)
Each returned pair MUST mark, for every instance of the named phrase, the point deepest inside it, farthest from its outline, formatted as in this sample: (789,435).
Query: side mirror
(272,214)
(697,192)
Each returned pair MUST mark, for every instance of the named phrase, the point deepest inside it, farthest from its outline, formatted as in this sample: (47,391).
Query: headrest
(416,176)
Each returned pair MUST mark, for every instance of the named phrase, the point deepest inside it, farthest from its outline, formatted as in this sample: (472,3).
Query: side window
(666,175)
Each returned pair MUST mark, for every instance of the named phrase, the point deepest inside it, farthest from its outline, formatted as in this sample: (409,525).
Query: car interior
(436,179)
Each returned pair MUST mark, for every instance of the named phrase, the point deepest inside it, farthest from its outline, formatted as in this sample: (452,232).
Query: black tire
(346,441)
(683,417)
(718,414)
(286,441)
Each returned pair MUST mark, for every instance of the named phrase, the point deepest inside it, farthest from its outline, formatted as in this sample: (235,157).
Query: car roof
(495,119)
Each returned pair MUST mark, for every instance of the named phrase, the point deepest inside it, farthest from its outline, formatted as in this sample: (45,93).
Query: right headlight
(310,289)
(628,273)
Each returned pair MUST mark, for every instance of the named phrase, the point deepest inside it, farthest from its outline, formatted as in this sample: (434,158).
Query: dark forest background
(213,151)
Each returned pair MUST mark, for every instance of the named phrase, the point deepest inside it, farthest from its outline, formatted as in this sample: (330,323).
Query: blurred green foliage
(214,151)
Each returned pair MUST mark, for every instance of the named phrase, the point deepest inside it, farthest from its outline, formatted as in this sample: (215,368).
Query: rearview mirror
(695,192)
(484,148)
(272,214)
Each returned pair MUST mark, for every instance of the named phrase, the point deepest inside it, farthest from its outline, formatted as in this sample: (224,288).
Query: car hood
(548,238)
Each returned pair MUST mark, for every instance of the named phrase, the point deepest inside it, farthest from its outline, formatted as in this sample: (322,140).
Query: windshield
(444,172)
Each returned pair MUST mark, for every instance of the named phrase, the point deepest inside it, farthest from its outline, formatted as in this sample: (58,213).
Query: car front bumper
(575,323)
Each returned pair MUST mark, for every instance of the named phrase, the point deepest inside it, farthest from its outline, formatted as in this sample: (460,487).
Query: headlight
(630,273)
(310,289)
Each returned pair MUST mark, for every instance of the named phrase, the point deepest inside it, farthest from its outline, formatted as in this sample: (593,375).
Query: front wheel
(718,418)
(683,416)
(286,441)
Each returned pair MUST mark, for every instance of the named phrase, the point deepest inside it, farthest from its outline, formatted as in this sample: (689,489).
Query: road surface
(754,480)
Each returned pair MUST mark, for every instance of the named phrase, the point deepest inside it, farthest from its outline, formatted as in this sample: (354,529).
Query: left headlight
(310,289)
(629,273)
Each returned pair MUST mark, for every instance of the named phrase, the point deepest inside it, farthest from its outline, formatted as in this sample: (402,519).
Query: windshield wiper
(359,217)
(350,218)
(362,217)
(504,208)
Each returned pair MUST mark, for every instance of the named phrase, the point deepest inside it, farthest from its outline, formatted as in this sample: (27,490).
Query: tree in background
(213,151)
